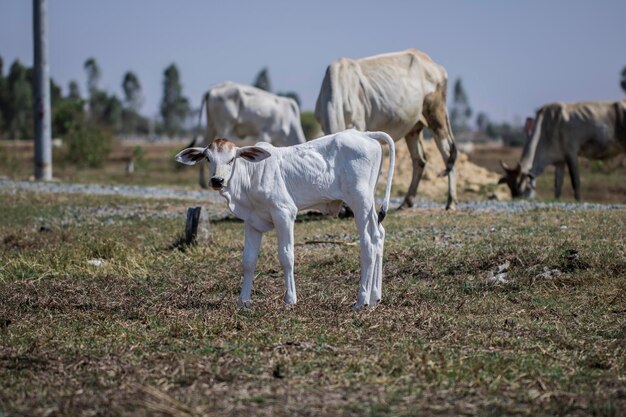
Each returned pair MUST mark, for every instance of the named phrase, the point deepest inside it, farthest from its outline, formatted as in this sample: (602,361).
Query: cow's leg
(284,222)
(444,148)
(251,247)
(572,165)
(558,179)
(369,234)
(438,121)
(414,142)
(377,288)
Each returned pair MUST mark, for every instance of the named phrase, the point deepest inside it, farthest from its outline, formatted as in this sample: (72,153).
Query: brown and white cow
(398,93)
(561,133)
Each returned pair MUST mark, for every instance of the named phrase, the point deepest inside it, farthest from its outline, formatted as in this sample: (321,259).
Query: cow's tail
(453,151)
(380,136)
(205,98)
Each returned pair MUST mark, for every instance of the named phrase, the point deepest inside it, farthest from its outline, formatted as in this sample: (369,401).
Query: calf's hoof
(242,304)
(358,307)
(290,300)
(451,206)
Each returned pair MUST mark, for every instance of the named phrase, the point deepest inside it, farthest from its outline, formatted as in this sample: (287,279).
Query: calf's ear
(502,180)
(253,153)
(190,156)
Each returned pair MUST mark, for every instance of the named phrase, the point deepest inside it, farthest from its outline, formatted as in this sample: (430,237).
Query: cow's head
(221,155)
(520,183)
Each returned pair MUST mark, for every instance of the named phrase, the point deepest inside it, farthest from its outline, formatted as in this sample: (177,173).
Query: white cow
(398,93)
(242,112)
(266,187)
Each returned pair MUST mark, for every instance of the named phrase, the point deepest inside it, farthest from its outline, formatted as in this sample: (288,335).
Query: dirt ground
(473,181)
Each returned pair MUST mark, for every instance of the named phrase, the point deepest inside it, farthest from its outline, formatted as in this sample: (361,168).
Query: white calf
(266,186)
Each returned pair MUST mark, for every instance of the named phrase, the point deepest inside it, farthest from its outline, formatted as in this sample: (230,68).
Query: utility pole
(43,140)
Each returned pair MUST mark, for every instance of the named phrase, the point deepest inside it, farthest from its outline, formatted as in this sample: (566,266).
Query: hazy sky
(513,56)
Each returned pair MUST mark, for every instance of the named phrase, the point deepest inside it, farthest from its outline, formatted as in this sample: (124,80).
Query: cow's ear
(253,153)
(190,156)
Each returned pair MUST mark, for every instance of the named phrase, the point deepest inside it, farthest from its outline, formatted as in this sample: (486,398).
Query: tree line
(97,108)
(102,110)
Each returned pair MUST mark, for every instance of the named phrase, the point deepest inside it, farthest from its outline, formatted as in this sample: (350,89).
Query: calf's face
(221,155)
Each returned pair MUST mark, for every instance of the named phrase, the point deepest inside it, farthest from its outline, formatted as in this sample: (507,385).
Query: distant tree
(132,91)
(93,74)
(19,94)
(67,114)
(461,110)
(74,91)
(482,121)
(104,110)
(623,82)
(511,135)
(262,80)
(3,97)
(174,106)
(291,94)
(133,100)
(113,113)
(310,125)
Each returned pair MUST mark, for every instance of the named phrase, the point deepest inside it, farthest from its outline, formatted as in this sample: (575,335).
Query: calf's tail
(380,136)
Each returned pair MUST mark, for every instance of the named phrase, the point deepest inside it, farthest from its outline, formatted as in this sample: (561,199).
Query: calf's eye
(231,161)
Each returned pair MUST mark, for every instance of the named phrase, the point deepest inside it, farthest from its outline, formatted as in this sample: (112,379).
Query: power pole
(43,140)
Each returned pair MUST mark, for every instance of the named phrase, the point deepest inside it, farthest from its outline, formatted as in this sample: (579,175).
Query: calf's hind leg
(377,287)
(371,252)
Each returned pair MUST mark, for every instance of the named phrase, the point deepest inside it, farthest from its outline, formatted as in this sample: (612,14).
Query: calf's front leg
(251,247)
(284,223)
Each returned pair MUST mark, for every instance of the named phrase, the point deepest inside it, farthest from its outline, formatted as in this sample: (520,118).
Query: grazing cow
(267,186)
(398,93)
(237,111)
(562,132)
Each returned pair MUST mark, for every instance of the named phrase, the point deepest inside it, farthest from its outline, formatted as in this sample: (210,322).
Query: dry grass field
(154,331)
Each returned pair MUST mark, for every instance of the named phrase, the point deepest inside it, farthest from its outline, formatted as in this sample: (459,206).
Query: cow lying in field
(238,111)
(267,186)
(562,133)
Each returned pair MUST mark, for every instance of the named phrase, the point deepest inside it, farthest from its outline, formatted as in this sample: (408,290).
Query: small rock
(500,274)
(548,273)
(96,262)
(497,278)
(503,267)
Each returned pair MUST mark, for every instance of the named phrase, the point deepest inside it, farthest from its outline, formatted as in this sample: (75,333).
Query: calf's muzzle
(217,182)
